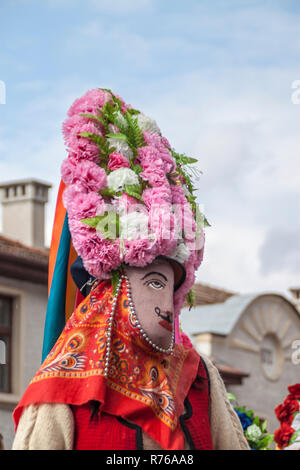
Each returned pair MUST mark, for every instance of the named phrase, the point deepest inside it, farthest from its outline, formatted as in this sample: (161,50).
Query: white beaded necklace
(169,350)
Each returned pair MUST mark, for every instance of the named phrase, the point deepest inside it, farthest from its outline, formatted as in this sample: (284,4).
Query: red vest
(114,433)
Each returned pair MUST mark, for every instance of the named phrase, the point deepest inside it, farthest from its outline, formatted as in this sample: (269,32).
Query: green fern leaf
(118,136)
(134,190)
(191,298)
(115,279)
(101,141)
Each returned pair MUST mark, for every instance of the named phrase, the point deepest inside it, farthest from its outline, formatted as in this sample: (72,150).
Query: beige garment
(51,426)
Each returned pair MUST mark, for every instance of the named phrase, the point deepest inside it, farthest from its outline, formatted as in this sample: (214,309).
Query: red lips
(165,324)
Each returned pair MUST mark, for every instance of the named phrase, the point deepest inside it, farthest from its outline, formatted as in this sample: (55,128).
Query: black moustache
(164,317)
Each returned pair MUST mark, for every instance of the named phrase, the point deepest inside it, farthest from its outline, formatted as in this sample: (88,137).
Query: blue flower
(244,419)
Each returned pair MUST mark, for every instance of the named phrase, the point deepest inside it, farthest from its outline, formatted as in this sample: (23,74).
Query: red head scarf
(143,386)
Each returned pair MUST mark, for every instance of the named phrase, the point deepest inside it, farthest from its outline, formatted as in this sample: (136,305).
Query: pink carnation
(71,123)
(148,157)
(100,256)
(80,204)
(79,230)
(128,204)
(178,196)
(68,170)
(139,252)
(83,148)
(157,196)
(162,225)
(185,340)
(91,246)
(155,176)
(89,102)
(124,106)
(88,174)
(93,267)
(165,142)
(179,301)
(156,141)
(109,255)
(185,221)
(191,265)
(117,160)
(199,258)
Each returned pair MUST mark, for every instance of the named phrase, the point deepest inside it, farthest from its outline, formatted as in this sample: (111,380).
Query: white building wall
(28,325)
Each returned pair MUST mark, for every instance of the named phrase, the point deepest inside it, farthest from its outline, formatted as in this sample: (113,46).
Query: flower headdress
(129,195)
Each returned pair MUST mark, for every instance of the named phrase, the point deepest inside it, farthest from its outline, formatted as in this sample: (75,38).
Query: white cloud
(218,82)
(245,133)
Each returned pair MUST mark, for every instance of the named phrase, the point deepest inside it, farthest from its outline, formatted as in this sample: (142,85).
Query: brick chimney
(23,211)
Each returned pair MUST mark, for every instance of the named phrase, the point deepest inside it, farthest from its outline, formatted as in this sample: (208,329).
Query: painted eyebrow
(154,272)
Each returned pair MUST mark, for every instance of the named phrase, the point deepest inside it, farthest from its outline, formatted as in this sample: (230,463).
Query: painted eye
(155,284)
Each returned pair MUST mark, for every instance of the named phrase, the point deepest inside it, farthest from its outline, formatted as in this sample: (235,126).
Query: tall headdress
(126,198)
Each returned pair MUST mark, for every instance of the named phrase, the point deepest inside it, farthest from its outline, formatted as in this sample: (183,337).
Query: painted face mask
(152,290)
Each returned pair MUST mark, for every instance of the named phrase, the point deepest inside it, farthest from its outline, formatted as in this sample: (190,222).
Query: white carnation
(181,253)
(120,121)
(134,225)
(253,432)
(121,147)
(118,179)
(147,124)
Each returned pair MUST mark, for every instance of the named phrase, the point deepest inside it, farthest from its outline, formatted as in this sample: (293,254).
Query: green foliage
(231,397)
(136,168)
(92,116)
(111,113)
(108,224)
(115,278)
(255,433)
(191,298)
(135,135)
(182,159)
(129,132)
(172,177)
(118,136)
(206,223)
(102,143)
(107,192)
(134,190)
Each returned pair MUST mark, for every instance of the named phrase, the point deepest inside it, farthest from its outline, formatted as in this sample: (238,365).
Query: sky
(218,78)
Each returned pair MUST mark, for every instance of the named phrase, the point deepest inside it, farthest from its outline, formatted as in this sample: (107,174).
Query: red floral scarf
(143,386)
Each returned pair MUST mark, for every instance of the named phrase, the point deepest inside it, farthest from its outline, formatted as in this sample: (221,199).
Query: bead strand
(109,329)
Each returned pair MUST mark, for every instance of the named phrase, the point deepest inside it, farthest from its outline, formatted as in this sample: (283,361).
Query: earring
(169,350)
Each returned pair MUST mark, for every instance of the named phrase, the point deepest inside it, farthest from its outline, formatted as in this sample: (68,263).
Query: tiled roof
(210,295)
(8,246)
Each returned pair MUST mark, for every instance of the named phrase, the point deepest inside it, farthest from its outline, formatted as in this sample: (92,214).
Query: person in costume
(128,237)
